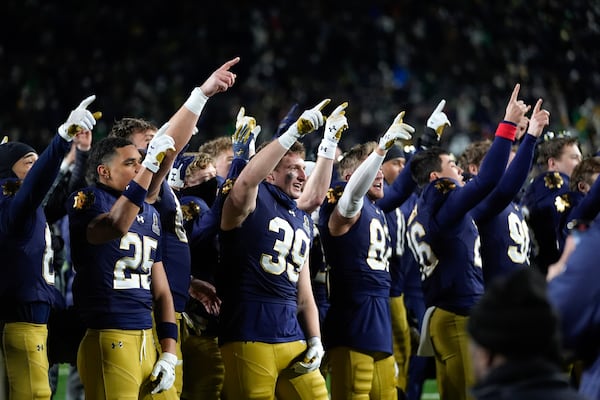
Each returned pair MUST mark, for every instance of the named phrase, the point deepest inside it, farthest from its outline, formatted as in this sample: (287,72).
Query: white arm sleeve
(361,180)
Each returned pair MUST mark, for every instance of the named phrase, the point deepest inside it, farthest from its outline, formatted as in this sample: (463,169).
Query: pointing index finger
(240,113)
(340,109)
(87,101)
(515,92)
(230,63)
(321,105)
(440,106)
(537,107)
(399,118)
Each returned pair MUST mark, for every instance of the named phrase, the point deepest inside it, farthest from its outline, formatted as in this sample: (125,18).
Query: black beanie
(10,153)
(393,153)
(515,319)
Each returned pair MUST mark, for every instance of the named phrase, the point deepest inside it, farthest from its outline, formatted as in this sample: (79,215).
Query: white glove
(334,126)
(438,119)
(397,131)
(157,149)
(309,121)
(79,119)
(164,372)
(244,137)
(312,358)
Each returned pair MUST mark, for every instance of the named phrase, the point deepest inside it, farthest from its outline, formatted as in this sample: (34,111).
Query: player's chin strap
(143,349)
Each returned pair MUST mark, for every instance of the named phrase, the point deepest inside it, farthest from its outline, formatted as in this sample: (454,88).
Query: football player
(268,316)
(444,239)
(357,248)
(26,289)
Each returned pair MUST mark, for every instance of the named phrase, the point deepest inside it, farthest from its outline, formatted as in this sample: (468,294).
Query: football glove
(334,126)
(397,131)
(309,121)
(79,119)
(164,372)
(157,149)
(312,358)
(244,137)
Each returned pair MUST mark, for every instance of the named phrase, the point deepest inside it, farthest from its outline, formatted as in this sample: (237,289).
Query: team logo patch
(445,185)
(227,185)
(9,188)
(562,203)
(553,180)
(334,194)
(83,200)
(307,224)
(155,226)
(190,211)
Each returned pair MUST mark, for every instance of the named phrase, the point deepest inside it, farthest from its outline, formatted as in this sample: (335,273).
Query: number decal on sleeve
(519,233)
(421,250)
(400,232)
(294,243)
(179,229)
(48,258)
(134,272)
(378,255)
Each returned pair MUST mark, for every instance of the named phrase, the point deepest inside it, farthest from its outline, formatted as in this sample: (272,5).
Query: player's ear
(433,175)
(103,171)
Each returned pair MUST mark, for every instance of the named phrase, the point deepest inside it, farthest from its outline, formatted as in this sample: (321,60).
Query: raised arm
(118,220)
(462,201)
(183,123)
(518,170)
(347,211)
(316,187)
(241,200)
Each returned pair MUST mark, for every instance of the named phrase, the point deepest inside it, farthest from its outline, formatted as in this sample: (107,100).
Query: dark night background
(142,59)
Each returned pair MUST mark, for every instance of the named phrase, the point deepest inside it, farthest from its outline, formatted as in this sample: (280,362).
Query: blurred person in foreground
(515,341)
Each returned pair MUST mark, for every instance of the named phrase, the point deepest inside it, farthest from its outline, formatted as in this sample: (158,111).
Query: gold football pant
(255,370)
(203,369)
(116,364)
(361,376)
(178,368)
(26,360)
(401,339)
(450,345)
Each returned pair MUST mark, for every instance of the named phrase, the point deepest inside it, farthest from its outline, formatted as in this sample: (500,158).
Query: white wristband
(327,149)
(195,103)
(289,137)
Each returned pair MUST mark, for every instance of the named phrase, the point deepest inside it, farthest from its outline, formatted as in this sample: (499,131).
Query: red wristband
(507,130)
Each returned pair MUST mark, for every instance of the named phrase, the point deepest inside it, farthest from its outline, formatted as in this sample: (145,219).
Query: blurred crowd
(142,59)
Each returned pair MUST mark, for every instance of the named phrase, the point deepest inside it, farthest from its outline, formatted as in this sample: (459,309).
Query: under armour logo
(332,128)
(292,212)
(140,219)
(40,347)
(119,344)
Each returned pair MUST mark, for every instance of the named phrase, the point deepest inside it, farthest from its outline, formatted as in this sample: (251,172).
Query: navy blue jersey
(505,243)
(443,236)
(111,288)
(408,263)
(262,260)
(448,255)
(359,279)
(25,242)
(543,215)
(174,246)
(397,228)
